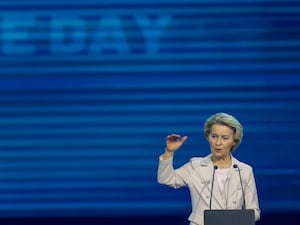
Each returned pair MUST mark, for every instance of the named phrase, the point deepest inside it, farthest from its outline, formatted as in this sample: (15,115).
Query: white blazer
(197,176)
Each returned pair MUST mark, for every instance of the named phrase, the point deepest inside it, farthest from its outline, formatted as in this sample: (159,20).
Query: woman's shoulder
(242,165)
(200,161)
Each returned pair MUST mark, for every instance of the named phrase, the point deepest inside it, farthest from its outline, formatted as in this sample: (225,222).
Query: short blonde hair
(227,120)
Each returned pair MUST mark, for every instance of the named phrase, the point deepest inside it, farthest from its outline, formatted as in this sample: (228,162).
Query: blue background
(89,90)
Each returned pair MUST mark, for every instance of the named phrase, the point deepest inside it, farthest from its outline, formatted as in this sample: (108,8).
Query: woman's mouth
(218,149)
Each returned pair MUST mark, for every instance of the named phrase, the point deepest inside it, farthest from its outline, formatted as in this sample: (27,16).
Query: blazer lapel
(234,182)
(217,199)
(231,187)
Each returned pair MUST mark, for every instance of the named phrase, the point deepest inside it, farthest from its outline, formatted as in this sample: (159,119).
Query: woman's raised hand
(174,142)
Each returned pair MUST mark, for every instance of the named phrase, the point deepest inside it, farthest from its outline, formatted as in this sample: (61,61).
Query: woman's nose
(219,141)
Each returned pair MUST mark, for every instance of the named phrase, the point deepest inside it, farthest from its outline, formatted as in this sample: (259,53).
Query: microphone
(238,168)
(212,186)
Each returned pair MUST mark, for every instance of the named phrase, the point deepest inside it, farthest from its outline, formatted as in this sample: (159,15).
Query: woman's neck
(224,162)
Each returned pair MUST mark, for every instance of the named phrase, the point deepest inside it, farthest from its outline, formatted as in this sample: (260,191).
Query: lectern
(229,217)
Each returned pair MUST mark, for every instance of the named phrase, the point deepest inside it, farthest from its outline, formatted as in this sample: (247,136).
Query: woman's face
(221,140)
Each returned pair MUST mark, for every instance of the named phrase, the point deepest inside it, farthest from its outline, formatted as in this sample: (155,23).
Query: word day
(71,34)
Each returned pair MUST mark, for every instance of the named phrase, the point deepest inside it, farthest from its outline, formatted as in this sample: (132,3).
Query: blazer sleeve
(175,178)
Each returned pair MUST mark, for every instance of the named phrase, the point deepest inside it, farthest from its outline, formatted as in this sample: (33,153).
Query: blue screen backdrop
(89,90)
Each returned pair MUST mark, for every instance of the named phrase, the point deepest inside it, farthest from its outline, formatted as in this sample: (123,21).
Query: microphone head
(235,166)
(215,167)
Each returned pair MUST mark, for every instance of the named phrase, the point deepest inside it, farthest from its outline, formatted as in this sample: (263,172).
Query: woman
(224,134)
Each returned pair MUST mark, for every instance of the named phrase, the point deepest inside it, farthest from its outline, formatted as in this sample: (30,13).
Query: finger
(183,139)
(173,137)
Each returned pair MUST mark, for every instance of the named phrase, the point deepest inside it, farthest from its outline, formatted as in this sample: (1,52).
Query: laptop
(229,217)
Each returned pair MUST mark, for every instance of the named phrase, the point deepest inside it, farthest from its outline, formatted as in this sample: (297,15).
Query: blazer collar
(206,161)
(233,180)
